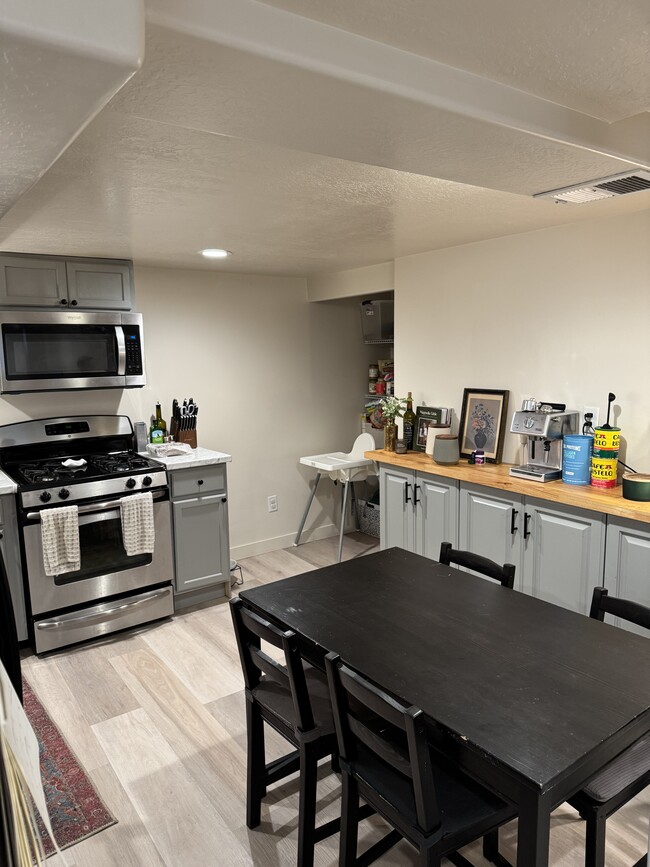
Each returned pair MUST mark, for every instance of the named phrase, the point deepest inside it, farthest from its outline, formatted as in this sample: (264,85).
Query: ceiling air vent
(603,188)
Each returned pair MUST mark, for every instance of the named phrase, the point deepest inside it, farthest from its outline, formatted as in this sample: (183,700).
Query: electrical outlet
(273,503)
(595,410)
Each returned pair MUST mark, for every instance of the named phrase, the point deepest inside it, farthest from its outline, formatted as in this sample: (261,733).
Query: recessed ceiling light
(213,253)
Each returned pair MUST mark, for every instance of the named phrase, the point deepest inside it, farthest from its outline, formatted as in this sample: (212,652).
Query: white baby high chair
(342,467)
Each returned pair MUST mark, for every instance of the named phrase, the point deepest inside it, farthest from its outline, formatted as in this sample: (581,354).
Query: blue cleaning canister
(576,459)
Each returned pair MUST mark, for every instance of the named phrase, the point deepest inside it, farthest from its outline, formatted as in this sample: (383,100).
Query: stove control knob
(147,481)
(130,483)
(45,497)
(64,493)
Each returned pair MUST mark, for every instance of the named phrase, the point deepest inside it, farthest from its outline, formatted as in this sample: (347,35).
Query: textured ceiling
(300,170)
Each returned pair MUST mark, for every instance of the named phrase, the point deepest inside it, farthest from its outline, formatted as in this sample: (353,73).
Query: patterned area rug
(76,810)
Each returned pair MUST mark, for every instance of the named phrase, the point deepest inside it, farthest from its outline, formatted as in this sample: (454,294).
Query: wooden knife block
(183,436)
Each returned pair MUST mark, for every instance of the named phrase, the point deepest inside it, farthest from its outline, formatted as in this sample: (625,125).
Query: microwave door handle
(121,350)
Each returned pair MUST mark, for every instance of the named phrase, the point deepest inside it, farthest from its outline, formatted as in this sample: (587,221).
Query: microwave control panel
(133,350)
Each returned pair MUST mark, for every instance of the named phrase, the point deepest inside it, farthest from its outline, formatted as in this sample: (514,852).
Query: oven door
(106,570)
(55,351)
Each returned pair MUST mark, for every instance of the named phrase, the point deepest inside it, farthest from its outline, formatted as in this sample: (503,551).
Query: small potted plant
(391,408)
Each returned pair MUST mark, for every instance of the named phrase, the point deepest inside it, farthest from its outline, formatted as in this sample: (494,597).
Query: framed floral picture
(483,422)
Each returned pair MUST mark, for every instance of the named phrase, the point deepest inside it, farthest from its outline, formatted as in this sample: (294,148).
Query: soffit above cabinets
(58,70)
(312,136)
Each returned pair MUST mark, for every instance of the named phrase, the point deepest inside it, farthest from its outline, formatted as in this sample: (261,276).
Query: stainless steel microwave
(57,351)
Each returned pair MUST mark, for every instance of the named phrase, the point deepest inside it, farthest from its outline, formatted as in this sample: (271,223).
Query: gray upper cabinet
(419,511)
(627,565)
(97,283)
(46,282)
(564,553)
(490,525)
(32,281)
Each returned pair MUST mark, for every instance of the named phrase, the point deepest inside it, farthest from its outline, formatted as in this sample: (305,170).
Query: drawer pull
(200,482)
(224,499)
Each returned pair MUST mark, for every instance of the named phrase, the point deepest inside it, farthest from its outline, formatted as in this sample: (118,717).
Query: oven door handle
(94,507)
(103,615)
(121,350)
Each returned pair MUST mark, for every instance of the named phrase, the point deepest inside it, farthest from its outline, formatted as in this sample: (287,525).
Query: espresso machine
(542,427)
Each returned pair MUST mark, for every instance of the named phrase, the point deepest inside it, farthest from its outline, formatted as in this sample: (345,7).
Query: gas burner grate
(50,471)
(121,463)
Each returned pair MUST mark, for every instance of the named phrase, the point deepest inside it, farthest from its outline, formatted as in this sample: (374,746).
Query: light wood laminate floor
(157,719)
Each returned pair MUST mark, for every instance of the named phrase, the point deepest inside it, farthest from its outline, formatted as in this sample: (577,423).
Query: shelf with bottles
(381,378)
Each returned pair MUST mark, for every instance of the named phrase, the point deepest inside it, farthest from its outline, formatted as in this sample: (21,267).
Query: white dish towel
(60,540)
(138,532)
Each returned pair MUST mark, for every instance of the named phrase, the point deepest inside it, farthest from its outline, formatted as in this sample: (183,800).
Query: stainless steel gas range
(111,590)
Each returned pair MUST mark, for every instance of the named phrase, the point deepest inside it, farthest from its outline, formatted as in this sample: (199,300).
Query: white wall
(561,314)
(276,377)
(353,282)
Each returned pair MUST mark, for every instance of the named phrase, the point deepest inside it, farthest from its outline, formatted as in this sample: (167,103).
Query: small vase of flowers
(391,408)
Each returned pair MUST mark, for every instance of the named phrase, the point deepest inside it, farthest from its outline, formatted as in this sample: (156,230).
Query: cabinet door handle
(406,493)
(224,499)
(416,499)
(527,518)
(513,526)
(63,301)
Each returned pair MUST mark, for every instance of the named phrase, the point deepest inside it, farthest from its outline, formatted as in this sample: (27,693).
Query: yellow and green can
(603,471)
(607,439)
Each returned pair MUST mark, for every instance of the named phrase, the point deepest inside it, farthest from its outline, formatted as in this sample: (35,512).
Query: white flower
(392,408)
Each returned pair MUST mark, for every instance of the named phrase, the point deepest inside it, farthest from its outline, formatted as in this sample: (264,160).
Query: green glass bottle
(158,427)
(409,422)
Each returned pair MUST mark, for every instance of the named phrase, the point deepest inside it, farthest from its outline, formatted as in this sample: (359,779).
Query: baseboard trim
(264,546)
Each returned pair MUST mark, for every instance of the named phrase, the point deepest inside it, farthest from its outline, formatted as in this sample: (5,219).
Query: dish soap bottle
(158,427)
(409,422)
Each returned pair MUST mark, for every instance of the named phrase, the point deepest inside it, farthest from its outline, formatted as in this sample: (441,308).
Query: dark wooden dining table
(529,698)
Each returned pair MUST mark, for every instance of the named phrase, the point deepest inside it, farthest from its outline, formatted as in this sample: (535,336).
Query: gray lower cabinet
(627,564)
(490,523)
(54,281)
(201,541)
(558,550)
(10,545)
(419,511)
(563,553)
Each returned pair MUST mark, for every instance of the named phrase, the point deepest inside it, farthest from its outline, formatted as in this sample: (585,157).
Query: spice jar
(373,371)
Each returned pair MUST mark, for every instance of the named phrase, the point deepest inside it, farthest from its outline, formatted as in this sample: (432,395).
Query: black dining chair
(386,760)
(467,559)
(294,700)
(626,776)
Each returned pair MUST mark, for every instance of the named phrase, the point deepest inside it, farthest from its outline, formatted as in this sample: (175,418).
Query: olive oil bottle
(158,427)
(409,422)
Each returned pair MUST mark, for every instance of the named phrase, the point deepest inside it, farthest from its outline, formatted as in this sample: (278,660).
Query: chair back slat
(269,666)
(626,609)
(373,698)
(366,716)
(250,631)
(505,574)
